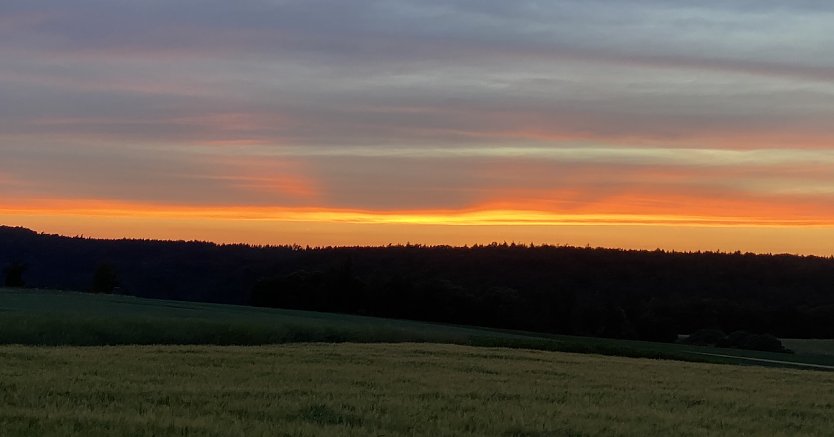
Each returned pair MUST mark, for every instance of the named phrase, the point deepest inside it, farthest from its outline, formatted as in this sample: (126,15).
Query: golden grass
(395,390)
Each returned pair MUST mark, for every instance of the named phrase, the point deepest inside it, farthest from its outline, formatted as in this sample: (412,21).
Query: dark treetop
(651,295)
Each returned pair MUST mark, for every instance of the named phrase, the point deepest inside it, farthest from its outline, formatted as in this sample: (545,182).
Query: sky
(632,123)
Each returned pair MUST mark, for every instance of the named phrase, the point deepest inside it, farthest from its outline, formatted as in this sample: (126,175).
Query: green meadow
(810,346)
(55,318)
(404,389)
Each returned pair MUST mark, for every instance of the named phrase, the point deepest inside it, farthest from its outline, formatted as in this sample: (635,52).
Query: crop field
(87,365)
(396,390)
(52,318)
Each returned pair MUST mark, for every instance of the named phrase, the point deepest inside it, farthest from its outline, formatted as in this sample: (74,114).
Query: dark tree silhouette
(14,275)
(105,279)
(649,295)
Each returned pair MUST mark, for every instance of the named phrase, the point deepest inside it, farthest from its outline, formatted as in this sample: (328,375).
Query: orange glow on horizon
(329,227)
(488,214)
(488,223)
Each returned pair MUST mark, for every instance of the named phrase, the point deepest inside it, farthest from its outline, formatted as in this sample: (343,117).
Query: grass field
(810,346)
(396,390)
(181,369)
(64,318)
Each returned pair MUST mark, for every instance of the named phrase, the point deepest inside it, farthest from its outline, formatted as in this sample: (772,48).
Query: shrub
(758,342)
(706,337)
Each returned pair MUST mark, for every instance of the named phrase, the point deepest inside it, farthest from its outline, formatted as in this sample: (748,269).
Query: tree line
(634,294)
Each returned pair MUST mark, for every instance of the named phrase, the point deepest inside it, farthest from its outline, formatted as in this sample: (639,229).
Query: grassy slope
(393,390)
(65,318)
(810,346)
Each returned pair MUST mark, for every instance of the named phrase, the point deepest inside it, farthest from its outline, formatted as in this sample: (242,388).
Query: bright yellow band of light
(471,217)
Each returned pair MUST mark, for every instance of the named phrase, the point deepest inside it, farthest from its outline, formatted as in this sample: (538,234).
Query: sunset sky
(640,124)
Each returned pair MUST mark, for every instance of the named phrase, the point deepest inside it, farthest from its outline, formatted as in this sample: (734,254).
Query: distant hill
(652,295)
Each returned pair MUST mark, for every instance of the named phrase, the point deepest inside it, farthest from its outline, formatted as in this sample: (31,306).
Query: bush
(737,340)
(706,337)
(758,342)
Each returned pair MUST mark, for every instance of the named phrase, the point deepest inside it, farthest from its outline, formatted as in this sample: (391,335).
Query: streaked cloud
(561,152)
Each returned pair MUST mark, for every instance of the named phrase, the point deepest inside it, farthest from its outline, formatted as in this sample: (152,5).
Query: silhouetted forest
(651,295)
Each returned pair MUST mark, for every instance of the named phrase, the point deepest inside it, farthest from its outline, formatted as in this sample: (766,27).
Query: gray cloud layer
(153,90)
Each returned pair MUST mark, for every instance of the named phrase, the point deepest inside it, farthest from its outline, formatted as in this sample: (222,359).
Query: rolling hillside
(32,317)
